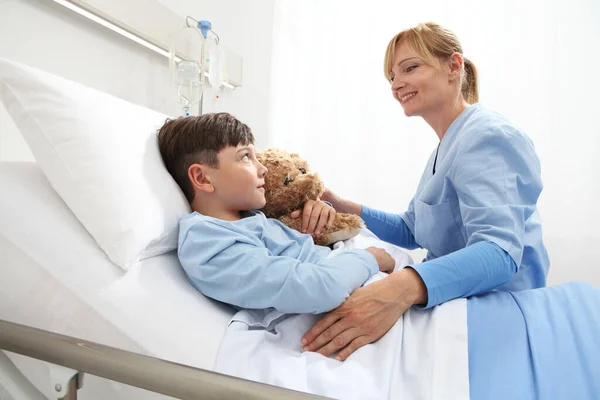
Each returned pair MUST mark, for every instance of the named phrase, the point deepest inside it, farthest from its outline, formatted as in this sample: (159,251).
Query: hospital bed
(86,236)
(55,277)
(86,233)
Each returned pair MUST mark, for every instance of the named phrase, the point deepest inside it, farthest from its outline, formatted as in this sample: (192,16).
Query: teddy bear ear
(299,160)
(263,158)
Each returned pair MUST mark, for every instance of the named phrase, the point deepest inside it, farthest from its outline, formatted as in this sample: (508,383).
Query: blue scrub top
(485,187)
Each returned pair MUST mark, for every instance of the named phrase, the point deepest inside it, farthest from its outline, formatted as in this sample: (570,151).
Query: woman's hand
(366,315)
(315,216)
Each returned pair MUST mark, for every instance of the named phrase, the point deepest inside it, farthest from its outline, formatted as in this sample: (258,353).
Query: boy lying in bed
(231,252)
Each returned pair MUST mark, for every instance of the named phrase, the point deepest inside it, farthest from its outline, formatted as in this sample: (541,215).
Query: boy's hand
(384,260)
(315,216)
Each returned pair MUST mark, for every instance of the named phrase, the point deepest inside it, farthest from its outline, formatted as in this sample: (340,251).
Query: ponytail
(470,84)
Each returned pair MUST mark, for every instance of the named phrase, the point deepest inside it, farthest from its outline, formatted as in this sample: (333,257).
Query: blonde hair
(431,41)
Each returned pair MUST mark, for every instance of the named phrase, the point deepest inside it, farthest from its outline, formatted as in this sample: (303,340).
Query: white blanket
(423,356)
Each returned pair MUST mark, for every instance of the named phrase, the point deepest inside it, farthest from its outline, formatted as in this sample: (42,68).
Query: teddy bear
(289,184)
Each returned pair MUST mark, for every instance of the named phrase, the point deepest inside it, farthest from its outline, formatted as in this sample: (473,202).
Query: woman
(474,210)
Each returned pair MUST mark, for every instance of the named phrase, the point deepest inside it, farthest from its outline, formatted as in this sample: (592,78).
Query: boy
(231,252)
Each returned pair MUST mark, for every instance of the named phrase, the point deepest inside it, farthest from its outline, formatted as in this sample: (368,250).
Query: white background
(313,82)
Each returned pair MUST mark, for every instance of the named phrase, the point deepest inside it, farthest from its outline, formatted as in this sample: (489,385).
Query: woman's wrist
(411,286)
(348,207)
(341,205)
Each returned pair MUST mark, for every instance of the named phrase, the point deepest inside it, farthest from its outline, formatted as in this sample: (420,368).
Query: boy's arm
(228,266)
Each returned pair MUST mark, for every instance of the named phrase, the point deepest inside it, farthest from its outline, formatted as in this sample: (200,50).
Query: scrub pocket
(436,228)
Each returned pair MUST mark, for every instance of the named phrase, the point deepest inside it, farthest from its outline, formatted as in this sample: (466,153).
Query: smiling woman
(417,63)
(429,49)
(474,210)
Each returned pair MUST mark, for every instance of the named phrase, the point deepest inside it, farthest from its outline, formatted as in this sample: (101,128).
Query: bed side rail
(165,377)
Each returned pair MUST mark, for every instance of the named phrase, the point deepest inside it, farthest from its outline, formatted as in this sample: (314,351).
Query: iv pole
(205,27)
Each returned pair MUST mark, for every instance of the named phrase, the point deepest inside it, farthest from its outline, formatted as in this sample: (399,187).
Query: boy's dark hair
(187,140)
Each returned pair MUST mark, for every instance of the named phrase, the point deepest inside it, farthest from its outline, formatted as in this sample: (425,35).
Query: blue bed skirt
(535,344)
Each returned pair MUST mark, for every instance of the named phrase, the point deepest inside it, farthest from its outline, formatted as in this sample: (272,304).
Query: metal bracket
(13,384)
(65,381)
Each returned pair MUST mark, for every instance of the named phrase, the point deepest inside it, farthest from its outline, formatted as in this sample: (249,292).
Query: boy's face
(239,180)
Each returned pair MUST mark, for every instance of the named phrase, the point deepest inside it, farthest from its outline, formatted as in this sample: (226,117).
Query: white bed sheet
(53,276)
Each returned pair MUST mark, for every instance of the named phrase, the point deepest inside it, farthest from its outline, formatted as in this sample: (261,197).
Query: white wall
(47,36)
(537,62)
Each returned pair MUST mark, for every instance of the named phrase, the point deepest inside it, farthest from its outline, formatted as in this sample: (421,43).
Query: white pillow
(101,155)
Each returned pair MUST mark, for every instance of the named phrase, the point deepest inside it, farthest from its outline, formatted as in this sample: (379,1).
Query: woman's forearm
(389,227)
(347,207)
(472,270)
(341,205)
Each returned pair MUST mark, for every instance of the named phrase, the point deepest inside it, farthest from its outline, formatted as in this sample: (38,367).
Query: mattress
(53,276)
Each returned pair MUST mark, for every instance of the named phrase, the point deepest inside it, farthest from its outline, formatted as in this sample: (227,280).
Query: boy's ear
(199,179)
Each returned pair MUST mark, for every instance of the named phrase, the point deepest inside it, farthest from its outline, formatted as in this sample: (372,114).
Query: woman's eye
(391,79)
(303,171)
(409,69)
(287,181)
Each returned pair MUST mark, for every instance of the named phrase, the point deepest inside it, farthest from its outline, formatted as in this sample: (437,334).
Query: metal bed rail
(165,377)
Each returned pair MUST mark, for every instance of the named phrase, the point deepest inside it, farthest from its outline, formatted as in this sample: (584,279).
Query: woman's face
(420,88)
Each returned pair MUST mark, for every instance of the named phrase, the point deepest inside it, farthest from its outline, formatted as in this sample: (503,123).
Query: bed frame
(72,358)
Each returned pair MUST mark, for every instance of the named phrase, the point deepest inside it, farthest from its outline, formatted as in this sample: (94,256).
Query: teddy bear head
(289,182)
